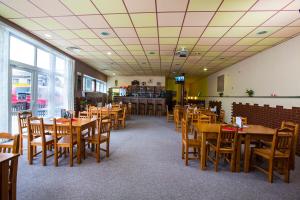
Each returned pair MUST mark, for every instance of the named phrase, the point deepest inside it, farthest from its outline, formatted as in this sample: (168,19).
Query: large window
(21,51)
(43,59)
(89,85)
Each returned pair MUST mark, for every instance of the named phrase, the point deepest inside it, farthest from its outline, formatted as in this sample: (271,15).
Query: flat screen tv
(179,79)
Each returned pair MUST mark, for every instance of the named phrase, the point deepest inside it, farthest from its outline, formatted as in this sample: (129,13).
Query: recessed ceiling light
(151,52)
(108,53)
(143,63)
(222,58)
(261,32)
(205,69)
(74,49)
(47,35)
(114,74)
(104,33)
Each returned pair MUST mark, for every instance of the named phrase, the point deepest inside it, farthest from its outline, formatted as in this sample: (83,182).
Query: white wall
(126,80)
(276,70)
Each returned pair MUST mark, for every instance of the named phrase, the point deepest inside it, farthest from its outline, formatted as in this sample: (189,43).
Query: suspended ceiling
(143,35)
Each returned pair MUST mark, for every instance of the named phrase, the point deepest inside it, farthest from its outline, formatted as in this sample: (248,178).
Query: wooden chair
(10,143)
(22,121)
(102,136)
(222,116)
(122,118)
(170,115)
(244,120)
(225,145)
(188,143)
(38,138)
(281,148)
(83,114)
(64,138)
(204,119)
(177,118)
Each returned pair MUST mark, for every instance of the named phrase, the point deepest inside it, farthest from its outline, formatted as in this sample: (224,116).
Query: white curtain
(70,80)
(4,82)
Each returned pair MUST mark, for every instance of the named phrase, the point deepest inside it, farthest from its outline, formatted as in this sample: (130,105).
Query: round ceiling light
(261,32)
(151,52)
(205,69)
(74,49)
(104,33)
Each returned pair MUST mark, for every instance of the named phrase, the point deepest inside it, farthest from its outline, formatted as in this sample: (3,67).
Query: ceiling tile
(270,30)
(229,53)
(204,5)
(236,5)
(295,5)
(226,18)
(255,18)
(25,8)
(53,7)
(176,5)
(134,47)
(295,23)
(215,31)
(270,4)
(28,24)
(170,19)
(109,7)
(80,7)
(140,5)
(167,47)
(270,41)
(49,23)
(7,12)
(85,33)
(192,31)
(207,41)
(239,31)
(149,47)
(257,48)
(146,32)
(79,42)
(287,32)
(96,42)
(149,40)
(87,48)
(248,41)
(238,48)
(169,31)
(187,41)
(125,32)
(203,18)
(71,22)
(144,19)
(130,40)
(66,34)
(94,21)
(168,40)
(282,18)
(118,20)
(219,48)
(202,48)
(227,41)
(120,48)
(113,41)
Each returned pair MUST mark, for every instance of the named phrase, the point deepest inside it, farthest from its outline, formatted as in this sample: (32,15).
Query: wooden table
(115,112)
(80,124)
(251,132)
(8,175)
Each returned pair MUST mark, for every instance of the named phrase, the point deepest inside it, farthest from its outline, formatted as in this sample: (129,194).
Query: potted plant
(221,94)
(250,92)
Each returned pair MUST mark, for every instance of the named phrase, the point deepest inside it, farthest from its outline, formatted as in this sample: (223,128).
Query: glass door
(21,94)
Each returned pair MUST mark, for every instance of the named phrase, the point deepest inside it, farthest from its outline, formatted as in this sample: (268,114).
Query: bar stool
(159,107)
(150,106)
(142,106)
(134,106)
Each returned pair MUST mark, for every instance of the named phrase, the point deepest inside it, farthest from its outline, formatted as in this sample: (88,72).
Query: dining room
(149,99)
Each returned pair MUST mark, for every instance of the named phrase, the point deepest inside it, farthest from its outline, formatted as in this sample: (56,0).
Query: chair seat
(266,153)
(193,142)
(94,138)
(67,140)
(38,140)
(223,148)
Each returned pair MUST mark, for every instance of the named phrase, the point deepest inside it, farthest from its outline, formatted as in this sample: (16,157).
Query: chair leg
(55,155)
(186,155)
(232,162)
(182,151)
(71,155)
(217,161)
(270,176)
(30,154)
(107,148)
(44,154)
(287,171)
(98,152)
(21,144)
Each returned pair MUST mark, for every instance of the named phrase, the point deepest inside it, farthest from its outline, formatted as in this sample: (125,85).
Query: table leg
(78,130)
(203,152)
(116,120)
(4,188)
(238,154)
(247,153)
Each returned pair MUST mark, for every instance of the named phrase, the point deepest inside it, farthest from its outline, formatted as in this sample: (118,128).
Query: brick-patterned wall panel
(267,116)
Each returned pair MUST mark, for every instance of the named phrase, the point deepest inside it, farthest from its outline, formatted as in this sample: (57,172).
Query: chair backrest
(244,120)
(103,128)
(94,112)
(227,136)
(9,143)
(184,129)
(83,114)
(36,128)
(295,127)
(204,119)
(22,120)
(282,141)
(209,128)
(62,129)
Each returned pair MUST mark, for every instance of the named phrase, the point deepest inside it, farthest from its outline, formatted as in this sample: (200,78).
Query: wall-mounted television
(179,79)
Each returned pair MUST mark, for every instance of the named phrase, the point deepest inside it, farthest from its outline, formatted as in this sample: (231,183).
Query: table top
(76,123)
(7,156)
